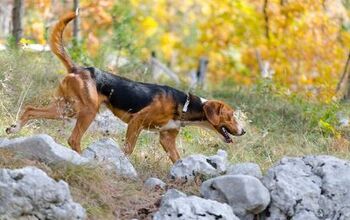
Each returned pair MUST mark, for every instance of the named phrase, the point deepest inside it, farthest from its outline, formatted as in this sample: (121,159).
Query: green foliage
(269,109)
(79,53)
(11,42)
(123,28)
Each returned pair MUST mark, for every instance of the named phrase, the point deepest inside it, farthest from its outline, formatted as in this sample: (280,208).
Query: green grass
(279,125)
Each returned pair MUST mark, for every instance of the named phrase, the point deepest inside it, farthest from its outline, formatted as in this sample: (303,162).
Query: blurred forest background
(284,63)
(301,45)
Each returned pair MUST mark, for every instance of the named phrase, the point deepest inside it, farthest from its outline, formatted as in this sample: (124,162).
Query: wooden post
(76,22)
(202,70)
(156,65)
(17,17)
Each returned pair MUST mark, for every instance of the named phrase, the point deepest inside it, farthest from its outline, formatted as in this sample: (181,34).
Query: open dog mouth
(226,134)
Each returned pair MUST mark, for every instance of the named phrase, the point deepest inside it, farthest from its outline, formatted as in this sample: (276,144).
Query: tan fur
(77,96)
(56,42)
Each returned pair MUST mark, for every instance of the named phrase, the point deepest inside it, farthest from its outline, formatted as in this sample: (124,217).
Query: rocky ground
(311,187)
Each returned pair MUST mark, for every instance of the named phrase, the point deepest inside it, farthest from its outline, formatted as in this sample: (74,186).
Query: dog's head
(222,118)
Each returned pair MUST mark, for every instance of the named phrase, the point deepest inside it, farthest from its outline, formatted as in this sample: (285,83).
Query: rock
(313,187)
(3,141)
(43,148)
(245,194)
(171,194)
(305,215)
(108,153)
(154,184)
(29,193)
(107,123)
(194,207)
(187,168)
(250,169)
(343,119)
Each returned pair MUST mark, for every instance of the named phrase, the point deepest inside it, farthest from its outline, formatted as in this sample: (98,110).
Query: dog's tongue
(226,135)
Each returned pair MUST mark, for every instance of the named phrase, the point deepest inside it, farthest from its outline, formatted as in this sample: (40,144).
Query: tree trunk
(5,18)
(343,87)
(76,22)
(266,17)
(347,92)
(17,17)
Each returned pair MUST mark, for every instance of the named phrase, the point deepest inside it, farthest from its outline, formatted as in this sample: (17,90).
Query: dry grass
(103,194)
(280,126)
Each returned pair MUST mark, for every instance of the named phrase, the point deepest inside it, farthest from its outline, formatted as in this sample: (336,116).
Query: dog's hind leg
(86,106)
(84,119)
(55,110)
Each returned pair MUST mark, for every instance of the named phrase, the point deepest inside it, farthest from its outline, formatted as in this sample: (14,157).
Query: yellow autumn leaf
(304,79)
(24,41)
(149,26)
(167,44)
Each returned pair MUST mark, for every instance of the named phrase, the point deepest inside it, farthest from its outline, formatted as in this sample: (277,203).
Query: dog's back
(131,96)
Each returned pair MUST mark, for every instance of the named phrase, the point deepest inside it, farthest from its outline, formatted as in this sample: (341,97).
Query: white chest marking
(178,124)
(203,100)
(171,125)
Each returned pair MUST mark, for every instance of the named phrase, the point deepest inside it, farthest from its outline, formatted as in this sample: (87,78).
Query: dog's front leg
(168,141)
(132,133)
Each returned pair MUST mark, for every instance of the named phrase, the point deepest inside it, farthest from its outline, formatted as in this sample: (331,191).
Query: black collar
(192,109)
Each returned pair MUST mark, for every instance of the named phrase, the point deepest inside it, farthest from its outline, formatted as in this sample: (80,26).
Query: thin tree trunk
(324,4)
(266,17)
(343,87)
(76,22)
(17,17)
(347,92)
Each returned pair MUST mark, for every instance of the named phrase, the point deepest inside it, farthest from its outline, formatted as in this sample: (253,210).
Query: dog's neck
(192,109)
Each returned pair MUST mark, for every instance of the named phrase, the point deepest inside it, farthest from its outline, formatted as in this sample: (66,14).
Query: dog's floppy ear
(212,110)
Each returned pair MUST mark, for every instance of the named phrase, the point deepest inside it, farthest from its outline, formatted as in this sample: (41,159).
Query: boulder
(312,187)
(171,194)
(250,169)
(3,141)
(107,123)
(245,194)
(107,153)
(43,148)
(154,184)
(29,193)
(187,168)
(194,207)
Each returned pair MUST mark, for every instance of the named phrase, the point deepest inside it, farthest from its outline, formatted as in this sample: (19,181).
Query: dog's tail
(56,42)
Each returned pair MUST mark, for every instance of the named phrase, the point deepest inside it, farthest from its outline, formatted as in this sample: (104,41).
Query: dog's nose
(243,132)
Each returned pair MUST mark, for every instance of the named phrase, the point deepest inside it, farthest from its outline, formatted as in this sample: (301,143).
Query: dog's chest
(177,124)
(172,124)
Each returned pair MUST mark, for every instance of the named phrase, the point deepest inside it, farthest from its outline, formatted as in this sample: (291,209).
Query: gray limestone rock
(313,186)
(107,153)
(42,147)
(29,193)
(245,194)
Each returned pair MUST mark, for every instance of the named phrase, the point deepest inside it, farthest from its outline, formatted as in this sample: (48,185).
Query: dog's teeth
(225,132)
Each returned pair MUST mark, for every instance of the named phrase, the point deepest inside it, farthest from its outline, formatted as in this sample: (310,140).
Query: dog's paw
(13,129)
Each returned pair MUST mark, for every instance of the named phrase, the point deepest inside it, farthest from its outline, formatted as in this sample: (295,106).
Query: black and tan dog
(140,105)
